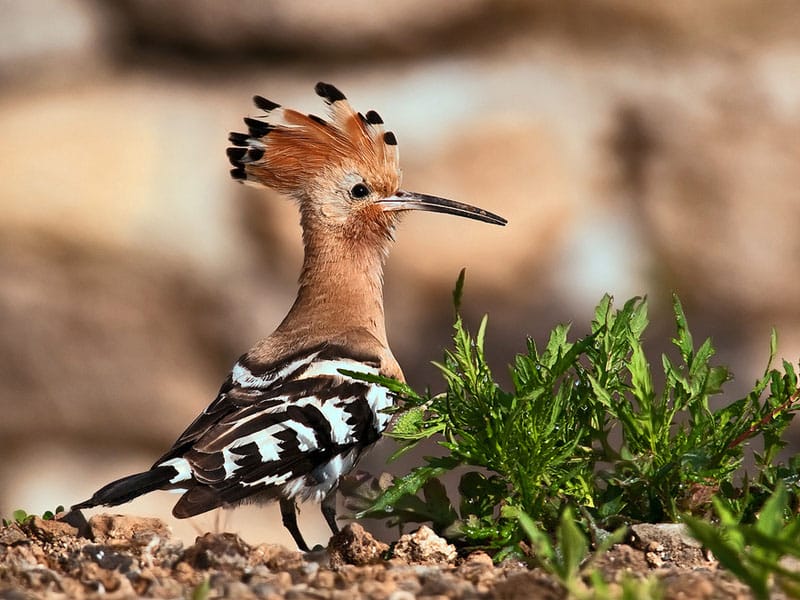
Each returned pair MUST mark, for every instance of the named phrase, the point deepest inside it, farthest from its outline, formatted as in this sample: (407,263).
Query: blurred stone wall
(636,148)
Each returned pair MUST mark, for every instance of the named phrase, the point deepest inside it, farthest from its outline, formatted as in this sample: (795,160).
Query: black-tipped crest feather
(330,92)
(373,118)
(264,104)
(238,139)
(257,128)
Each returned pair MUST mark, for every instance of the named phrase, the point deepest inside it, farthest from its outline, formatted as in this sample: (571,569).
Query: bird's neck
(341,289)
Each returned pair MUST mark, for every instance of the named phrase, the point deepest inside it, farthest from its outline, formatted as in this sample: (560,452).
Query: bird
(291,419)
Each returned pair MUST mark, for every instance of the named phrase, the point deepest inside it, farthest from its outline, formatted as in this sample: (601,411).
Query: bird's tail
(130,487)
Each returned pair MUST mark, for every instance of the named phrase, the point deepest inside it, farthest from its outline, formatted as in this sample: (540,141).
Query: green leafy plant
(567,559)
(753,552)
(21,517)
(49,515)
(564,558)
(583,425)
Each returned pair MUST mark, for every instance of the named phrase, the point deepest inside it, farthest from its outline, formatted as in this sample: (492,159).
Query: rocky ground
(121,557)
(637,148)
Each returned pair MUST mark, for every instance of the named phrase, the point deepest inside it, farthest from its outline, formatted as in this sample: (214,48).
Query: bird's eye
(359,190)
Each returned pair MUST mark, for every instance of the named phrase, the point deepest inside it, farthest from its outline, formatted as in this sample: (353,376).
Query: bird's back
(287,428)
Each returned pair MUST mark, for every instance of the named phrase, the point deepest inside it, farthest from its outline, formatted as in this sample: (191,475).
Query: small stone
(698,585)
(479,558)
(790,563)
(377,589)
(325,580)
(125,530)
(528,584)
(215,549)
(183,573)
(49,529)
(276,557)
(234,590)
(424,546)
(100,579)
(411,585)
(108,558)
(12,534)
(479,569)
(667,535)
(355,546)
(666,544)
(283,580)
(301,591)
(654,560)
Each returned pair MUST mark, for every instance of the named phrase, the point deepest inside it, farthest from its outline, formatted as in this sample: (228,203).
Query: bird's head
(344,172)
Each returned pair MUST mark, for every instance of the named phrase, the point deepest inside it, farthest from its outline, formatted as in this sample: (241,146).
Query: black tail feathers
(130,487)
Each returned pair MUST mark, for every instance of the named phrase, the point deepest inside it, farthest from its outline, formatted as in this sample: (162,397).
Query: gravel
(125,557)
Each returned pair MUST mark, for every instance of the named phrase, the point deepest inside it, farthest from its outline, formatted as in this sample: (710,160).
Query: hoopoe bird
(287,424)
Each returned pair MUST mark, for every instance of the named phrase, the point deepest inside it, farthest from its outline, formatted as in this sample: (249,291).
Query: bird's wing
(246,386)
(290,429)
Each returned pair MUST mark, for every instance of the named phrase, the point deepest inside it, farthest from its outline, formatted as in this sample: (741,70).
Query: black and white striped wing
(288,431)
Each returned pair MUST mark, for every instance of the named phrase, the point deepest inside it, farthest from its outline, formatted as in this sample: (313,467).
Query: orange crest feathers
(288,155)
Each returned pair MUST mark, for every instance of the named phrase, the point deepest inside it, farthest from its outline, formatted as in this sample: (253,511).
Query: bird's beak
(403,200)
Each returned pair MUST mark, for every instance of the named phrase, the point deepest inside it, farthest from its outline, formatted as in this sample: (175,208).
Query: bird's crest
(290,150)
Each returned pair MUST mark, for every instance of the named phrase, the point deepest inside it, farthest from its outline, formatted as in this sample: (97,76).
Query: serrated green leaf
(602,313)
(393,385)
(717,377)
(408,485)
(683,339)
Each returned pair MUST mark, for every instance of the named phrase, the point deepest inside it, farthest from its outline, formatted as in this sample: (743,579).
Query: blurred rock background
(636,148)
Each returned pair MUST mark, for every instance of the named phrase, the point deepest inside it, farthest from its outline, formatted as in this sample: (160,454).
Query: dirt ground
(123,557)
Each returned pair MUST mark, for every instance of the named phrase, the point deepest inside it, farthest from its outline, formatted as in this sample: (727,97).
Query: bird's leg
(328,507)
(289,517)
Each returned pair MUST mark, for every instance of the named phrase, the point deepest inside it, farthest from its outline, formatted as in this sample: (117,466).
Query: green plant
(677,452)
(49,515)
(21,517)
(202,591)
(562,559)
(753,552)
(567,559)
(582,425)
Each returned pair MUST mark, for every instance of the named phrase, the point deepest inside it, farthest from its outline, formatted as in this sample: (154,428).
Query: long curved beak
(403,200)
